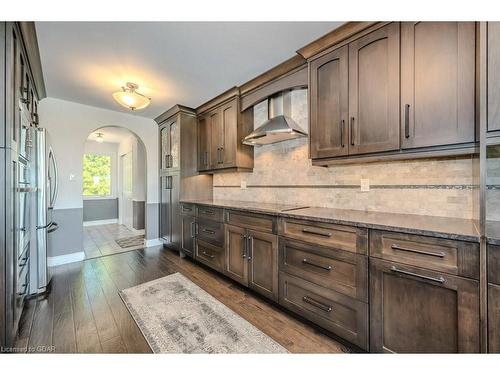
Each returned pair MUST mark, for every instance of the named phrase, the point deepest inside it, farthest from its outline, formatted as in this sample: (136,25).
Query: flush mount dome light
(130,98)
(99,138)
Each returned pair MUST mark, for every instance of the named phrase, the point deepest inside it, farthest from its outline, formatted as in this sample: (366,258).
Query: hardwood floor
(84,314)
(100,240)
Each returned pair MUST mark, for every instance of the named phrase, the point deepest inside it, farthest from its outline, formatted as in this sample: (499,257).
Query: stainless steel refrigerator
(46,178)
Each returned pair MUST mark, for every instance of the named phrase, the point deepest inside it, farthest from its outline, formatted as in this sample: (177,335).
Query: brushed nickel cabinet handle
(317,304)
(205,230)
(250,248)
(342,124)
(407,121)
(244,247)
(351,135)
(439,279)
(423,252)
(318,233)
(207,212)
(207,254)
(308,262)
(193,229)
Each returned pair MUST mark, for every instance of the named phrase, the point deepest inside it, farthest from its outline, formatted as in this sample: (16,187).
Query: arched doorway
(113,192)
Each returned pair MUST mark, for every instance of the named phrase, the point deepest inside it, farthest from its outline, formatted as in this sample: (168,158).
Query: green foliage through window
(96,175)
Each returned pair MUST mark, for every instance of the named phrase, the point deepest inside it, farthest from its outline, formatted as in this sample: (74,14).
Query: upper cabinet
(221,129)
(395,91)
(169,144)
(493,40)
(437,83)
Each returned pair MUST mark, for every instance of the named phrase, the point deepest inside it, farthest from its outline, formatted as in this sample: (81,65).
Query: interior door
(329,96)
(374,91)
(414,310)
(126,190)
(437,83)
(263,258)
(236,254)
(204,140)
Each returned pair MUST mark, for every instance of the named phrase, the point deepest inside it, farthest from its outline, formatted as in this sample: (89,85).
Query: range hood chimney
(280,126)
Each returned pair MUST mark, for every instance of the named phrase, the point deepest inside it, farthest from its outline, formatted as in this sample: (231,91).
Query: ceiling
(111,134)
(173,62)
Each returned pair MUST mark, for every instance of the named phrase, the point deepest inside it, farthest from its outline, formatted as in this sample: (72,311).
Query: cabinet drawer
(210,231)
(494,264)
(211,213)
(342,315)
(454,257)
(338,270)
(264,223)
(187,209)
(337,236)
(212,256)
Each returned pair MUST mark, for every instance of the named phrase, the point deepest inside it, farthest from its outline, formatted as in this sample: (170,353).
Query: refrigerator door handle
(55,188)
(53,227)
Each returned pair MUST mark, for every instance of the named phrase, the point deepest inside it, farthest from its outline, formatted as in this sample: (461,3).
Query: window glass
(96,175)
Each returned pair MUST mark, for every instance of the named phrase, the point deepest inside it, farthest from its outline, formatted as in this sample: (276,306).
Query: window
(96,175)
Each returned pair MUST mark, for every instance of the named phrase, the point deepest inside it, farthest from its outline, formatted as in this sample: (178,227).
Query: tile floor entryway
(100,240)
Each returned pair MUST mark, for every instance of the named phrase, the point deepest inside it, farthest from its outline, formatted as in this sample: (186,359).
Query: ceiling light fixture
(130,98)
(100,138)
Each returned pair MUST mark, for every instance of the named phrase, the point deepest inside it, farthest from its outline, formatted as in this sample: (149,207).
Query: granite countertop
(493,232)
(444,227)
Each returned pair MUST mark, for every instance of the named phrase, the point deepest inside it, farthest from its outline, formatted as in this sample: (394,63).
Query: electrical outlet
(243,184)
(365,184)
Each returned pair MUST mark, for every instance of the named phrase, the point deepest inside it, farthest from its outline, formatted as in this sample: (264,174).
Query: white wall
(131,144)
(69,125)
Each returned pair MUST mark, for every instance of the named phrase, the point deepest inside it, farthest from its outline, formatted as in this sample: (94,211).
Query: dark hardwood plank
(115,345)
(25,324)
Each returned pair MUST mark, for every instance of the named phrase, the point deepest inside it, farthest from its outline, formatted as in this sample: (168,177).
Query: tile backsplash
(283,173)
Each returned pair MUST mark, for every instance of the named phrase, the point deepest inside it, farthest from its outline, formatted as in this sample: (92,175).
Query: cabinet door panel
(263,258)
(414,310)
(437,85)
(229,119)
(493,76)
(374,91)
(329,104)
(187,235)
(216,139)
(204,141)
(165,209)
(174,145)
(236,263)
(493,318)
(164,146)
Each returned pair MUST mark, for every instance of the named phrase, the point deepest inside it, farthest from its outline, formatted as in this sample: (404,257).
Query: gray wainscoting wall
(69,237)
(152,221)
(138,218)
(100,209)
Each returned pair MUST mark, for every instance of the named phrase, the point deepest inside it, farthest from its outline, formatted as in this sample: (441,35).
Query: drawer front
(454,257)
(263,223)
(187,209)
(494,264)
(210,231)
(338,270)
(210,213)
(212,256)
(342,315)
(337,236)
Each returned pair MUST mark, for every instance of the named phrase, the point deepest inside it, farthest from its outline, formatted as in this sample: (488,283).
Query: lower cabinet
(252,259)
(210,255)
(494,318)
(344,316)
(415,310)
(188,232)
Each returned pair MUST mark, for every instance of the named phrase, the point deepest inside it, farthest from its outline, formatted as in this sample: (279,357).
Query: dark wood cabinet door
(493,318)
(493,76)
(236,249)
(174,139)
(229,125)
(374,91)
(187,234)
(329,99)
(217,138)
(263,259)
(437,83)
(414,310)
(165,209)
(204,141)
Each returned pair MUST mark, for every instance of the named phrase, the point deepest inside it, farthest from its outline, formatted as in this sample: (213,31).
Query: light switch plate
(243,184)
(365,184)
(71,177)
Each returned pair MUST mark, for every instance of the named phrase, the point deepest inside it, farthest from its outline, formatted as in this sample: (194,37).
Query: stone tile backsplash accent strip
(283,174)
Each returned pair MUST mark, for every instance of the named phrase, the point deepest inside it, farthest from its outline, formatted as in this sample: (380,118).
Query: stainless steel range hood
(280,126)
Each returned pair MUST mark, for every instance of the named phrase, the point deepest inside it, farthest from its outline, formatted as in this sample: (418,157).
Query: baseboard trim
(153,242)
(99,222)
(65,259)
